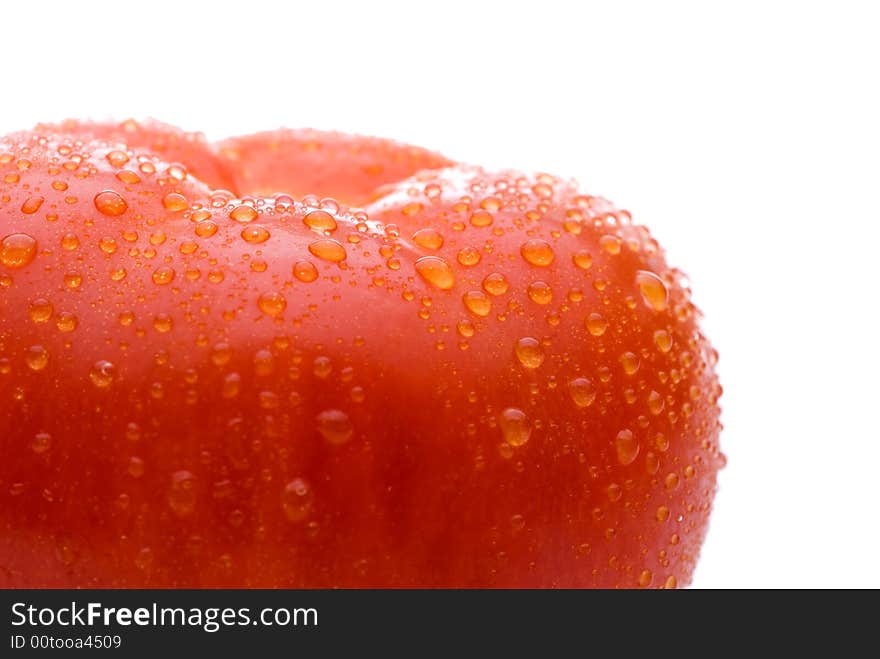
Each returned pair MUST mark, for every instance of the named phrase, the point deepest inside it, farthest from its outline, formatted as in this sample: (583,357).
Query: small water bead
(126,318)
(630,363)
(182,493)
(662,513)
(529,352)
(537,252)
(540,292)
(17,250)
(465,328)
(428,238)
(582,260)
(118,274)
(163,276)
(73,280)
(255,234)
(626,446)
(495,284)
(231,386)
(655,403)
(107,245)
(110,203)
(468,256)
(335,426)
(653,290)
(40,310)
(200,215)
(671,480)
(117,158)
(206,228)
(481,218)
(319,220)
(514,426)
(305,271)
(582,391)
(645,578)
(610,244)
(477,303)
(296,500)
(66,322)
(37,358)
(163,323)
(69,242)
(128,177)
(175,202)
(663,340)
(671,583)
(102,374)
(328,250)
(41,442)
(244,213)
(272,303)
(322,367)
(596,324)
(158,238)
(436,271)
(31,205)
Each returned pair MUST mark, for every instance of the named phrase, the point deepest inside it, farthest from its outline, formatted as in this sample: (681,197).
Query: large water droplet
(515,426)
(436,271)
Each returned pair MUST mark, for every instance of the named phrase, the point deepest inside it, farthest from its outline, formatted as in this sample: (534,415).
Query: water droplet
(41,442)
(515,426)
(582,392)
(163,276)
(17,250)
(320,221)
(37,358)
(596,324)
(175,202)
(583,260)
(653,290)
(206,228)
(40,310)
(335,426)
(630,363)
(296,500)
(671,480)
(102,374)
(32,205)
(428,238)
(495,284)
(477,303)
(255,234)
(610,244)
(537,252)
(671,583)
(627,447)
(182,494)
(645,578)
(107,245)
(662,513)
(481,218)
(244,213)
(73,280)
(66,322)
(540,292)
(468,256)
(110,203)
(436,271)
(663,340)
(272,303)
(117,158)
(655,403)
(529,352)
(305,271)
(163,323)
(328,250)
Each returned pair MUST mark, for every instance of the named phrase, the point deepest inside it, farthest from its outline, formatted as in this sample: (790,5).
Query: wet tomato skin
(472,378)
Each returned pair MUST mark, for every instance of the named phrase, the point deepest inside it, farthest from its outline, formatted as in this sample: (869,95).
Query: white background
(746,135)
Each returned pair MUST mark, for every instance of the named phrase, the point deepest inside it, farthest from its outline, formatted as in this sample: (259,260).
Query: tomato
(478,379)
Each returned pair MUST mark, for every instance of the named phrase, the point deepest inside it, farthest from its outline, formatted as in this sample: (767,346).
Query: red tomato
(481,379)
